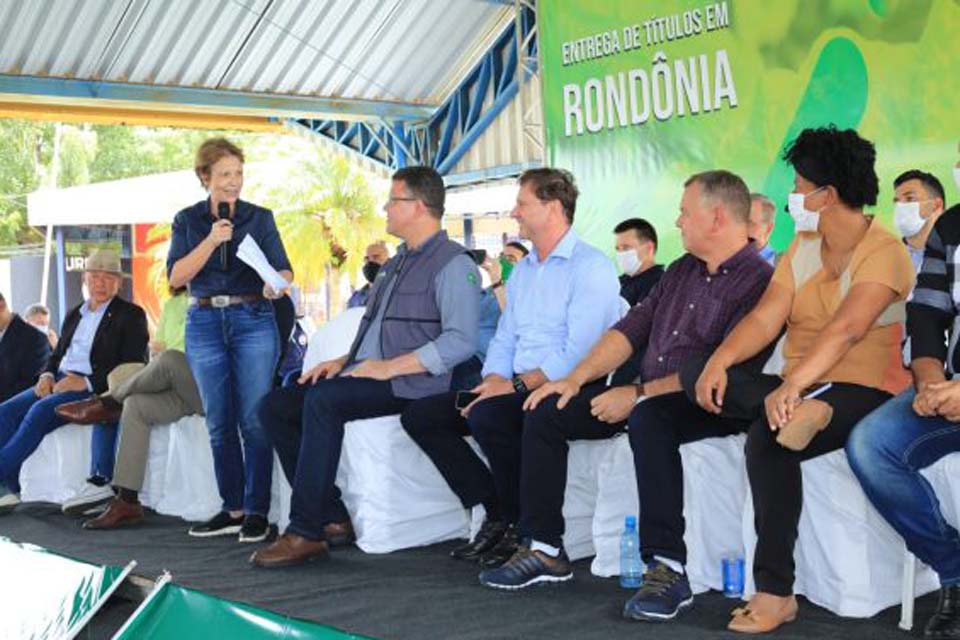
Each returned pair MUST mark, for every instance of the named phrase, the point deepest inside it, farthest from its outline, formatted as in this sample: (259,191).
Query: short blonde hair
(210,152)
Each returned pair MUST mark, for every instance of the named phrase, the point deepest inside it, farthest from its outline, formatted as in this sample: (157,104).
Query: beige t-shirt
(880,258)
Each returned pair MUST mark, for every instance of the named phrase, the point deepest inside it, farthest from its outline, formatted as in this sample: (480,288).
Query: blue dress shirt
(556,310)
(77,357)
(192,225)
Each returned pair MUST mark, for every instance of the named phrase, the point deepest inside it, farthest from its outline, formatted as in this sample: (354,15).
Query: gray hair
(727,188)
(36,309)
(767,208)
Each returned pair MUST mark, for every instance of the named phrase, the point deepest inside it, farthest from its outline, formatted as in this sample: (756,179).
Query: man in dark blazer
(23,353)
(98,335)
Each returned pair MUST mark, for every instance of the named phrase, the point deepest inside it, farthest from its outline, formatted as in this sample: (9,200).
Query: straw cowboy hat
(121,374)
(106,260)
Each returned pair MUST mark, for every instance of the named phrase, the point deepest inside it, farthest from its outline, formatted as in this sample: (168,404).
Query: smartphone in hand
(464,398)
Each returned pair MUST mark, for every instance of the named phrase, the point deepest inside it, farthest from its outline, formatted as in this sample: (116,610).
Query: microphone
(223,212)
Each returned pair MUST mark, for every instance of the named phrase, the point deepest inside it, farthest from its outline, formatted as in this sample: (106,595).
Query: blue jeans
(887,450)
(306,427)
(25,420)
(103,450)
(233,353)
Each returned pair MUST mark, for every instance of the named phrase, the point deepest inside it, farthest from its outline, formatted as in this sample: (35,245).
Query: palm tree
(327,216)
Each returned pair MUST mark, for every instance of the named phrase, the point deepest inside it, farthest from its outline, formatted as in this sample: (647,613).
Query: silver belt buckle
(219,302)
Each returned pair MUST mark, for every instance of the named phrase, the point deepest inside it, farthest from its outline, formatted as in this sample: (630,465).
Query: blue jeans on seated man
(306,426)
(25,420)
(232,353)
(887,450)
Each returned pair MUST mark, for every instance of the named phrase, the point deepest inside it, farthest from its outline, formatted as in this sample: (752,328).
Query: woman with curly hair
(840,290)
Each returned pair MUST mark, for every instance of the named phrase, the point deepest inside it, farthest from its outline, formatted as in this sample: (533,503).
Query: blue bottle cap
(630,522)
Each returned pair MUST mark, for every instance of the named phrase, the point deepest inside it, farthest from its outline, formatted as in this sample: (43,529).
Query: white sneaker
(88,500)
(8,501)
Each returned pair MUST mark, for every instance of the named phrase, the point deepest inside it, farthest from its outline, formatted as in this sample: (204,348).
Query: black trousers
(657,427)
(496,424)
(773,470)
(306,426)
(543,471)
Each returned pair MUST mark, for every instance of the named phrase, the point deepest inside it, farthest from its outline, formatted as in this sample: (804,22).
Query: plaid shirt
(690,311)
(932,309)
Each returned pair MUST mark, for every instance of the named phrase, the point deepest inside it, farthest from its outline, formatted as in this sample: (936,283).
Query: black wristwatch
(519,385)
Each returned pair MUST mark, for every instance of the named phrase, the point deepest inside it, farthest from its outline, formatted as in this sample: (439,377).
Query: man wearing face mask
(501,268)
(39,316)
(918,201)
(890,447)
(636,257)
(376,256)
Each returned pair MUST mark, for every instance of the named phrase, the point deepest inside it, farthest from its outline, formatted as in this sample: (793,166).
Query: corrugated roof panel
(374,50)
(504,142)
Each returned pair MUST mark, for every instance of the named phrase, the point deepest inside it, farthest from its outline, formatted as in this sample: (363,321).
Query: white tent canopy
(147,199)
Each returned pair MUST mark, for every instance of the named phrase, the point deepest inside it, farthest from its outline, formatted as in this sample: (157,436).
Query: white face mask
(803,218)
(628,261)
(906,215)
(42,328)
(956,176)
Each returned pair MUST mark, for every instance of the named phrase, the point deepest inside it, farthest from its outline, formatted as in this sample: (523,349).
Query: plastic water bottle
(631,568)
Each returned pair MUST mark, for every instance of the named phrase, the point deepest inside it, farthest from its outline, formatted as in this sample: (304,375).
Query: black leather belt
(225,301)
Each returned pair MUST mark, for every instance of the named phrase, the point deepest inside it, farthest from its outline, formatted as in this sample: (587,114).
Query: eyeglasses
(392,200)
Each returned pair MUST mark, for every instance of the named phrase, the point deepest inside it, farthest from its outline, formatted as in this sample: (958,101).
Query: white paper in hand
(251,253)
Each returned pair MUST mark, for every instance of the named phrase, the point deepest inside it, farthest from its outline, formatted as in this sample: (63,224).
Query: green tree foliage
(326,213)
(24,149)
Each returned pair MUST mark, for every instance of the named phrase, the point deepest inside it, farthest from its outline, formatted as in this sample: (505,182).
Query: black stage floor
(418,593)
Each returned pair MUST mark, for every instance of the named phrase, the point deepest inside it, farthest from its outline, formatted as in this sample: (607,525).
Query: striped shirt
(932,319)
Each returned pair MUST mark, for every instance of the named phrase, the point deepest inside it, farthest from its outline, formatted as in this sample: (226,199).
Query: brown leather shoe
(117,514)
(95,410)
(290,549)
(339,534)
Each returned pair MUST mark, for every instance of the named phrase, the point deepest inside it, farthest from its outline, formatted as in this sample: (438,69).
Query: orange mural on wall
(150,244)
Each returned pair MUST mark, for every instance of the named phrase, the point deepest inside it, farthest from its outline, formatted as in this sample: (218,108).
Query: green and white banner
(173,612)
(47,596)
(640,94)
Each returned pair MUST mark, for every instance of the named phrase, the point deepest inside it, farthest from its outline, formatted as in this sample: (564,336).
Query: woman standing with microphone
(232,343)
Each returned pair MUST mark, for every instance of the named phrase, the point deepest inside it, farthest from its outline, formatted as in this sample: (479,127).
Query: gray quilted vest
(412,317)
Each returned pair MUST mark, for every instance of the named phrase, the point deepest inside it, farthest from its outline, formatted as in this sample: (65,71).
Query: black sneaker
(663,594)
(255,528)
(526,568)
(222,524)
(503,550)
(487,538)
(945,622)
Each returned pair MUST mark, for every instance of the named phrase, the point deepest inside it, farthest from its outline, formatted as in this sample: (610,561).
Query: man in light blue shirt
(560,299)
(77,359)
(101,333)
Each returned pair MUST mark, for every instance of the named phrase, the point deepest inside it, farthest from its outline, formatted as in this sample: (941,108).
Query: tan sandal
(747,620)
(809,419)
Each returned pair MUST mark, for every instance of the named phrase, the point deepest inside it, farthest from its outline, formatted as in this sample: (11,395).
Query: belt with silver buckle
(219,302)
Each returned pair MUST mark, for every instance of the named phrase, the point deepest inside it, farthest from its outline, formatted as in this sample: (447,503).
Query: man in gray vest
(421,321)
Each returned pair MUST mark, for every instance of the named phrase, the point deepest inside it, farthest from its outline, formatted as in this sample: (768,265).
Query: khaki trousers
(163,392)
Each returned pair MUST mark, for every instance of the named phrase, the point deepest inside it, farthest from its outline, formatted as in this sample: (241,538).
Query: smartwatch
(519,385)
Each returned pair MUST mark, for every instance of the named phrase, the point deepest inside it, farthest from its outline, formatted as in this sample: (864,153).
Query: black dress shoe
(503,550)
(945,622)
(489,535)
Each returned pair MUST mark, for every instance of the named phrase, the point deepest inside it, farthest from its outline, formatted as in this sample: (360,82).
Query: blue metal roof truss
(442,140)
